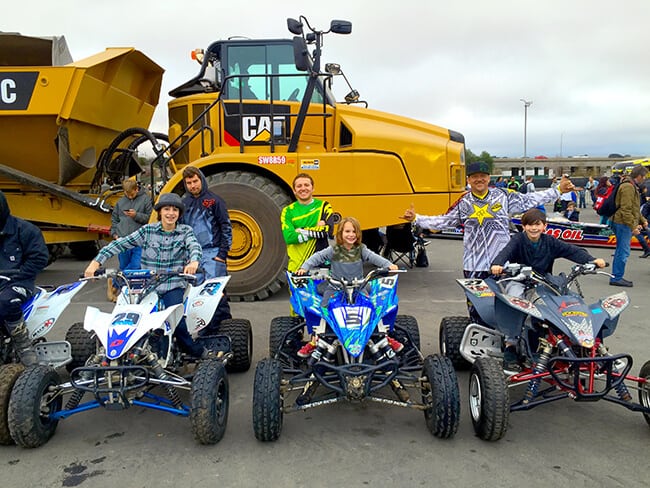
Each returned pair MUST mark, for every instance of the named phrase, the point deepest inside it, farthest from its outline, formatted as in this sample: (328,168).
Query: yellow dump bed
(56,120)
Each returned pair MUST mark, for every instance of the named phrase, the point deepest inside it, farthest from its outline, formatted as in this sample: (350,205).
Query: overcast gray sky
(463,65)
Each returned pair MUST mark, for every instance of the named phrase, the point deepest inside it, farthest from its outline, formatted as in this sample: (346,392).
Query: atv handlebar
(518,272)
(322,274)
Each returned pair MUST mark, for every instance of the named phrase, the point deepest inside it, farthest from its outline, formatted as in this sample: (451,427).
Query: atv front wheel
(441,396)
(210,400)
(407,326)
(241,342)
(280,326)
(451,335)
(9,373)
(32,404)
(489,401)
(267,400)
(644,389)
(82,345)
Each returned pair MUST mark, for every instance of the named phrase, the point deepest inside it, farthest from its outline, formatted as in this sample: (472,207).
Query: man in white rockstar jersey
(484,214)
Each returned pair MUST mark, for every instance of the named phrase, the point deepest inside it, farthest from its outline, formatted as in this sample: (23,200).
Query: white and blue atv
(136,362)
(353,359)
(40,313)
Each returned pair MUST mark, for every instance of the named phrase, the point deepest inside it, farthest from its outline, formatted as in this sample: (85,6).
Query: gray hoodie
(122,224)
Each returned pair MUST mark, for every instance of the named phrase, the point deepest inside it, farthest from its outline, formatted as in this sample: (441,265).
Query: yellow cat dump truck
(257,113)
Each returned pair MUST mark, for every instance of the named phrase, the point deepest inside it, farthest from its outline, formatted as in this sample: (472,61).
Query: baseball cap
(478,167)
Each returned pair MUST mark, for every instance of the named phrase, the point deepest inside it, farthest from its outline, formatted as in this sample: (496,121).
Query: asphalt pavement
(354,445)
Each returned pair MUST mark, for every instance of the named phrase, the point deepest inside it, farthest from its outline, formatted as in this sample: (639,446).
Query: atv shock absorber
(77,395)
(539,367)
(621,389)
(159,373)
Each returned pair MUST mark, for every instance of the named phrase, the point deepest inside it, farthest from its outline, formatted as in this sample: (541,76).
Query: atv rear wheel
(407,326)
(32,404)
(277,331)
(9,373)
(489,400)
(451,335)
(441,396)
(82,345)
(254,204)
(210,400)
(644,389)
(241,341)
(268,401)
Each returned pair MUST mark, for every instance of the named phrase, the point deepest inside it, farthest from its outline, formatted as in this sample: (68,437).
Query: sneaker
(395,345)
(645,254)
(306,350)
(621,282)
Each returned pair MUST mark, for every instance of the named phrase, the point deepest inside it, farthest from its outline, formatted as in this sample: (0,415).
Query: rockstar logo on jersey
(481,213)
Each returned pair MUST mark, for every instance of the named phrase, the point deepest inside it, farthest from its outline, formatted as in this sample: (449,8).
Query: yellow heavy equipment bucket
(56,120)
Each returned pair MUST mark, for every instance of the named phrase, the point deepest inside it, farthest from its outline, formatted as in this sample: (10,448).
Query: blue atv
(353,359)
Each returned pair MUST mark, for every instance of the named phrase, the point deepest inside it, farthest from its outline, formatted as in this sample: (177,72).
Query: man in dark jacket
(24,255)
(207,214)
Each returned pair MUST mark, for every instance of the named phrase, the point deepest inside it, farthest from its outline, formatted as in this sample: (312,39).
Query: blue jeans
(130,259)
(623,235)
(215,269)
(182,335)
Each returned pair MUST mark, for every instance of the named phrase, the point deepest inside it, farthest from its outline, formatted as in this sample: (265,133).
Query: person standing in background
(130,213)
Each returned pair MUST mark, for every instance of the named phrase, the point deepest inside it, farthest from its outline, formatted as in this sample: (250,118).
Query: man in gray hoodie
(130,213)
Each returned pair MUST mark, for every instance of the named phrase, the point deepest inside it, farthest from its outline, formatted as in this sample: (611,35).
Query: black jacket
(542,256)
(22,247)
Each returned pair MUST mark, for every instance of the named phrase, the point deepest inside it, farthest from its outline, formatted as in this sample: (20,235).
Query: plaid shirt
(160,250)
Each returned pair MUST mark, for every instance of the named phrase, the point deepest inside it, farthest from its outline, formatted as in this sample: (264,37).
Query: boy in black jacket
(536,249)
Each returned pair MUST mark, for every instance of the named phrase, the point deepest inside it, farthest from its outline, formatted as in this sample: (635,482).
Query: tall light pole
(526,105)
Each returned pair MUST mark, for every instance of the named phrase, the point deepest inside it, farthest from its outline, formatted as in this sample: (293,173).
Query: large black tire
(409,324)
(9,373)
(267,400)
(441,395)
(210,401)
(279,327)
(241,340)
(256,258)
(489,400)
(84,250)
(83,344)
(30,423)
(451,334)
(644,389)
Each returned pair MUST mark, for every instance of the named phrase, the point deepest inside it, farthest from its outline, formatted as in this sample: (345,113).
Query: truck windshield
(264,72)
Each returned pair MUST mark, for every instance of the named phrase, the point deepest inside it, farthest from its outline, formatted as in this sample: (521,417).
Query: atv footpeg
(54,354)
(216,343)
(480,341)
